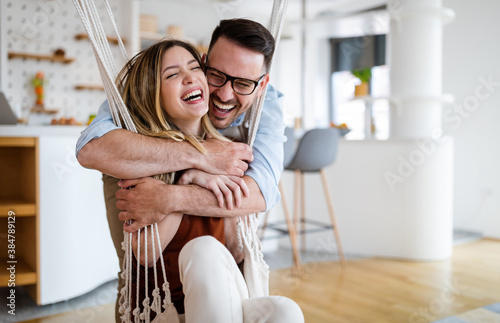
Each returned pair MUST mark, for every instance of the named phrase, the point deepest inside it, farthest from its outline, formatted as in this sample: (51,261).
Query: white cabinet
(76,253)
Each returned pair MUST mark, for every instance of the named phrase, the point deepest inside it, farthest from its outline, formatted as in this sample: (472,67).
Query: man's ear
(263,84)
(203,60)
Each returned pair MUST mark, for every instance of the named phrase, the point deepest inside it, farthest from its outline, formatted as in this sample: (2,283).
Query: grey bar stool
(317,150)
(288,150)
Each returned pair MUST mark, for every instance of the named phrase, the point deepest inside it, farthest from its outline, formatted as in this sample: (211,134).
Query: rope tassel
(168,316)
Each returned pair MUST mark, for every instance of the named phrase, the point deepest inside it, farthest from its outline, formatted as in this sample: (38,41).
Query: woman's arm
(224,187)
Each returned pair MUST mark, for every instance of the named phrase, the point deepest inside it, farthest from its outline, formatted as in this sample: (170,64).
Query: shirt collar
(238,120)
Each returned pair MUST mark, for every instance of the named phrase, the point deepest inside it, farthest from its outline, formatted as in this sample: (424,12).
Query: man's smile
(221,110)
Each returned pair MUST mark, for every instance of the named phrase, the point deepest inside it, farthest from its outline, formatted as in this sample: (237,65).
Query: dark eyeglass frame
(232,79)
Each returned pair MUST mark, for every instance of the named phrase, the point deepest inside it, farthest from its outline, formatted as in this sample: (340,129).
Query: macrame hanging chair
(255,270)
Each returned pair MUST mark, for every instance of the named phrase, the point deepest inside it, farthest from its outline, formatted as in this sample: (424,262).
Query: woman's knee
(203,249)
(272,309)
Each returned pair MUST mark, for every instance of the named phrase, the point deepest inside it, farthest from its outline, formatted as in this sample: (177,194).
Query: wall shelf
(52,58)
(43,110)
(112,40)
(82,87)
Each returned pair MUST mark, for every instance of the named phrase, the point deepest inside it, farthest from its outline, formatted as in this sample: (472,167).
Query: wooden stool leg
(302,212)
(296,200)
(291,231)
(343,262)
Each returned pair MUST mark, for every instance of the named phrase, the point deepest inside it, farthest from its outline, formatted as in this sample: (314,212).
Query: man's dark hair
(248,34)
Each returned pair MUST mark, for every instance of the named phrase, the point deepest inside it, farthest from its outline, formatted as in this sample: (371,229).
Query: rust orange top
(191,227)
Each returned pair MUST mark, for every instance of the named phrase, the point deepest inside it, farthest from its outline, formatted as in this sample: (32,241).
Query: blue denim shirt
(267,165)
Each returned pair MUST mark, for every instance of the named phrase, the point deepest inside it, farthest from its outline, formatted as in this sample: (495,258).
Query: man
(229,67)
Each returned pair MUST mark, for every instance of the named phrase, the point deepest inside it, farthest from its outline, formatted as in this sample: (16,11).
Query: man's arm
(149,200)
(124,154)
(267,166)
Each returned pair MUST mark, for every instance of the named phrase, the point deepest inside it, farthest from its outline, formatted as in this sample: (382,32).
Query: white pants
(215,290)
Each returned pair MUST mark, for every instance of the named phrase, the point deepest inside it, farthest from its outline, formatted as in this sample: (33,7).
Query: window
(368,116)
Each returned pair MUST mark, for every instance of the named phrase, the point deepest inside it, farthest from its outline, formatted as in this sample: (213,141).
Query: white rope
(137,310)
(145,315)
(105,61)
(156,304)
(255,268)
(120,42)
(247,229)
(275,28)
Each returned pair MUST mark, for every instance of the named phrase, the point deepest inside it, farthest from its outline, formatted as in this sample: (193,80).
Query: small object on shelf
(344,130)
(91,118)
(38,83)
(148,23)
(65,122)
(364,75)
(82,87)
(52,58)
(59,52)
(361,89)
(175,31)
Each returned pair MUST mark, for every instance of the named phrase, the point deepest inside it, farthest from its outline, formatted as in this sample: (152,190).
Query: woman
(166,93)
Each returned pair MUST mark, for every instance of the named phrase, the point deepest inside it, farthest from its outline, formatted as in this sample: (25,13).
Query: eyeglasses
(240,85)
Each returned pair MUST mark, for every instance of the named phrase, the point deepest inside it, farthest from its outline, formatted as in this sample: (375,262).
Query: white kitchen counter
(39,130)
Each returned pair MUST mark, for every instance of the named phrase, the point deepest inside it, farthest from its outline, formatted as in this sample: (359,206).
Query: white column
(131,27)
(415,54)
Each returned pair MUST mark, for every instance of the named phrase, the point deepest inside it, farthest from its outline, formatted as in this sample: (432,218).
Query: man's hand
(225,158)
(141,201)
(222,186)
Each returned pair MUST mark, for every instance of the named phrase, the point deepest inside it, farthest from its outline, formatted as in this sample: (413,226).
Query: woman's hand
(228,187)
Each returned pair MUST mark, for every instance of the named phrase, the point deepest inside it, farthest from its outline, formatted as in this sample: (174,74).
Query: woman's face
(184,90)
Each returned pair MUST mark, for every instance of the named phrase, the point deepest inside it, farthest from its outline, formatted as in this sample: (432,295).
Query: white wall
(471,51)
(197,17)
(40,27)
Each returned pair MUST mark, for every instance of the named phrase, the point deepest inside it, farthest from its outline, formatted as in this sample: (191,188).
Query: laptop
(7,116)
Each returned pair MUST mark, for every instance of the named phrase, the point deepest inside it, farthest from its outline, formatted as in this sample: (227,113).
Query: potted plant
(364,75)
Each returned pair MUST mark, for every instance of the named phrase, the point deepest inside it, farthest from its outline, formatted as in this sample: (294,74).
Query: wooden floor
(376,290)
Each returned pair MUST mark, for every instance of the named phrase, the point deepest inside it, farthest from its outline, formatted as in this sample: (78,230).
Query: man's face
(225,105)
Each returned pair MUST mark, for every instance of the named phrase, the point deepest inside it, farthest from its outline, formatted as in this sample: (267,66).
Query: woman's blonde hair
(139,83)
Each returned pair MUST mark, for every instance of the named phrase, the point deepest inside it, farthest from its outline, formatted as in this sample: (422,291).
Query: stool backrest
(288,146)
(317,149)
